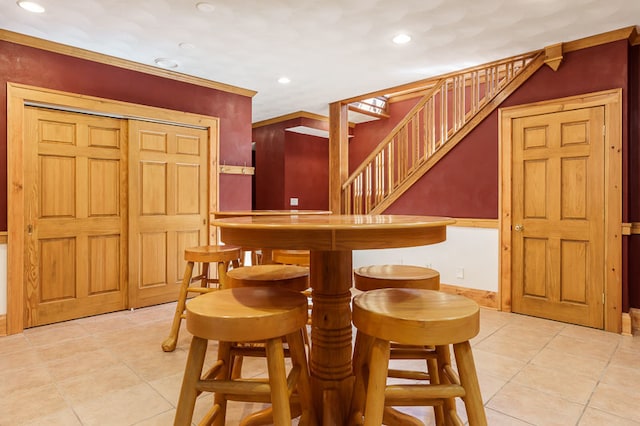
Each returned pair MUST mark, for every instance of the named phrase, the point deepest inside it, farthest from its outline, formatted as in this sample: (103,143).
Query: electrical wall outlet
(293,202)
(460,273)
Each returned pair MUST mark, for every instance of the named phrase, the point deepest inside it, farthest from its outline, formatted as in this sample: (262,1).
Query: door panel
(558,196)
(168,206)
(76,232)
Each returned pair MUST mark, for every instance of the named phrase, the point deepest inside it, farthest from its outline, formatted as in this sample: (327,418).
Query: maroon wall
(289,165)
(307,171)
(470,171)
(25,65)
(269,166)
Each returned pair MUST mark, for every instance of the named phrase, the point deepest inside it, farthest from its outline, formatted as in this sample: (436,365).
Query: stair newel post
(338,154)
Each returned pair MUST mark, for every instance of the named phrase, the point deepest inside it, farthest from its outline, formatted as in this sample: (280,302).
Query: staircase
(449,110)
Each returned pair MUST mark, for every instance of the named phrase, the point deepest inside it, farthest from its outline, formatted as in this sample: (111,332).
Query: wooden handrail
(449,108)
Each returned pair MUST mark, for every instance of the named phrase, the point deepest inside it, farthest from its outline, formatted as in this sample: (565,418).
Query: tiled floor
(110,370)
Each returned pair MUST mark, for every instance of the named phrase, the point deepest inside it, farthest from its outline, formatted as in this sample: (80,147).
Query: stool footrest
(402,395)
(201,290)
(411,353)
(245,389)
(408,374)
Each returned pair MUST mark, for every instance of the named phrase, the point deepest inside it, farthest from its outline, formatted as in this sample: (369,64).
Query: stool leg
(222,274)
(434,378)
(469,380)
(224,355)
(378,370)
(361,351)
(189,391)
(278,382)
(204,274)
(299,358)
(170,342)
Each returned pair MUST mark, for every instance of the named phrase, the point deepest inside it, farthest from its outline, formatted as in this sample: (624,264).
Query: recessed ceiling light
(284,80)
(205,7)
(31,6)
(187,46)
(402,39)
(166,63)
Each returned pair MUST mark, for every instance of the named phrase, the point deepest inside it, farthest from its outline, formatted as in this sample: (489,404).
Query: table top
(333,232)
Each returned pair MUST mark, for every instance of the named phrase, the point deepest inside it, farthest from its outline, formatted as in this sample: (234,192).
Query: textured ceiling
(330,49)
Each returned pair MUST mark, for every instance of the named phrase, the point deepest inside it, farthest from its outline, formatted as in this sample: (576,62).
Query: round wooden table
(331,240)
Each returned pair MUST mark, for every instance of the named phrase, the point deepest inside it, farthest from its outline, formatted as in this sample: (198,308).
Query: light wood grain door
(558,222)
(75,206)
(168,206)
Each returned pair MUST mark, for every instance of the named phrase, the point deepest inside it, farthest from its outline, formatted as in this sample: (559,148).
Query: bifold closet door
(168,206)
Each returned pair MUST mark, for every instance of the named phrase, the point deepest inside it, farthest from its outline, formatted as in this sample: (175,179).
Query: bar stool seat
(223,256)
(291,257)
(290,276)
(399,276)
(267,314)
(415,317)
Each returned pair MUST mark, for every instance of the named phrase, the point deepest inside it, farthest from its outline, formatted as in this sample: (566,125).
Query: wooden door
(75,207)
(168,206)
(558,223)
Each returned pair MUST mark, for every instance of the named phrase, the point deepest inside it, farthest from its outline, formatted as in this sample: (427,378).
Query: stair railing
(445,109)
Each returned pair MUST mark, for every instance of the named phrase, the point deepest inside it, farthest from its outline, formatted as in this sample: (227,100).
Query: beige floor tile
(24,379)
(505,345)
(578,365)
(497,365)
(14,343)
(27,358)
(54,333)
(169,387)
(110,369)
(580,347)
(122,407)
(64,417)
(67,348)
(495,418)
(627,378)
(155,364)
(85,387)
(30,404)
(593,417)
(628,358)
(80,364)
(535,406)
(163,419)
(563,384)
(614,399)
(591,334)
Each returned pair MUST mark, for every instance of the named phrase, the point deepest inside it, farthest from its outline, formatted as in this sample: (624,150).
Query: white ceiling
(330,49)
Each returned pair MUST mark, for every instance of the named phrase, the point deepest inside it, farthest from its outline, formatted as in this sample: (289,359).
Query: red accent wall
(307,171)
(465,182)
(26,65)
(290,164)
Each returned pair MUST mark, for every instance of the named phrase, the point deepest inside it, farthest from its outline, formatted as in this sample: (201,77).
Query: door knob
(518,227)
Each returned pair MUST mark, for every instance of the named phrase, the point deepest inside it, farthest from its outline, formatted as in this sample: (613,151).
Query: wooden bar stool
(267,314)
(400,276)
(291,277)
(415,317)
(223,256)
(374,277)
(291,257)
